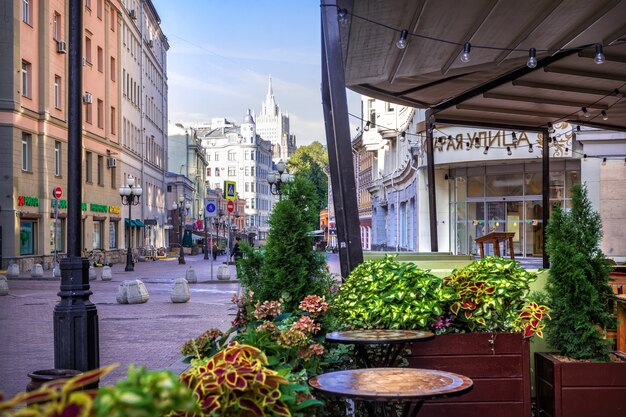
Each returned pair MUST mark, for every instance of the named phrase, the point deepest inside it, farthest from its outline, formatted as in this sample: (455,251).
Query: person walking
(236,249)
(214,250)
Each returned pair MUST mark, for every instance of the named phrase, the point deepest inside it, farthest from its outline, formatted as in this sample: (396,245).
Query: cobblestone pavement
(149,334)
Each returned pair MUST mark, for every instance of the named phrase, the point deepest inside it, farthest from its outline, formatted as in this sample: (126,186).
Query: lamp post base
(181,256)
(129,261)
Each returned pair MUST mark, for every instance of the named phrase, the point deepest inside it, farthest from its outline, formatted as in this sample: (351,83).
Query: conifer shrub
(578,288)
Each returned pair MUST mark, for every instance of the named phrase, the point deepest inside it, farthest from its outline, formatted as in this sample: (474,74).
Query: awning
(134,223)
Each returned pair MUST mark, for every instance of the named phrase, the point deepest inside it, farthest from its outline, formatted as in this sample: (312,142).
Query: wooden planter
(500,371)
(579,389)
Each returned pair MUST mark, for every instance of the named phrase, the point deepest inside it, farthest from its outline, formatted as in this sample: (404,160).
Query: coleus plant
(492,295)
(237,382)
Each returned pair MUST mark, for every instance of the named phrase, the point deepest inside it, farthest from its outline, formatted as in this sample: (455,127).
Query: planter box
(579,389)
(501,375)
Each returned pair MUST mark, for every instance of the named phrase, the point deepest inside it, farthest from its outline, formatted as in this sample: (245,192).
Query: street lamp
(130,194)
(278,177)
(187,206)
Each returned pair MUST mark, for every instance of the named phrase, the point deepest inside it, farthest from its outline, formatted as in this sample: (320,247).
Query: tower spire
(270,90)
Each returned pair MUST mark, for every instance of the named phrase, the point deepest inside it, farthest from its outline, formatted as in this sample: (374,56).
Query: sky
(222,53)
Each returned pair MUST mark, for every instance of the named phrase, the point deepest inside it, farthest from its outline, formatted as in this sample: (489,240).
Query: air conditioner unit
(132,14)
(149,43)
(61,47)
(111,162)
(87,98)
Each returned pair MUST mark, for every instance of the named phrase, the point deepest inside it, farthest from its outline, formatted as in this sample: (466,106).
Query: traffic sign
(230,206)
(57,192)
(211,207)
(230,190)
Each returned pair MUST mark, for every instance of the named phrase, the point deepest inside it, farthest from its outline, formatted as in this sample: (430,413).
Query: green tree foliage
(309,161)
(287,268)
(578,288)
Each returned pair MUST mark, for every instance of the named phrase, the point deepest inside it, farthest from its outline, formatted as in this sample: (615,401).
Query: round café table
(378,386)
(395,340)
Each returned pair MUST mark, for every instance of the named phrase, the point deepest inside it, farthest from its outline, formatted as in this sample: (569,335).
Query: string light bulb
(599,59)
(617,94)
(585,112)
(402,136)
(514,137)
(603,161)
(401,44)
(508,151)
(465,56)
(469,145)
(585,157)
(530,148)
(578,128)
(367,126)
(550,127)
(486,151)
(532,58)
(604,115)
(342,16)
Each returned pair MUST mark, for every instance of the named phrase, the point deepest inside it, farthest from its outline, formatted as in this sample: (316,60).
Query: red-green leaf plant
(237,382)
(61,398)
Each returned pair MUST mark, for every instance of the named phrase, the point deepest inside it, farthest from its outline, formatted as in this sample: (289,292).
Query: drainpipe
(142,109)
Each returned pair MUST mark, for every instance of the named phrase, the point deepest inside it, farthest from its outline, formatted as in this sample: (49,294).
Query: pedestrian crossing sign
(230,190)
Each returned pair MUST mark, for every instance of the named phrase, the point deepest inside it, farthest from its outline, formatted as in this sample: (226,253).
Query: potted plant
(481,313)
(582,309)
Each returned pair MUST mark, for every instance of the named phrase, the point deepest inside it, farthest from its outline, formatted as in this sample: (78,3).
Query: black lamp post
(180,206)
(206,234)
(130,194)
(278,177)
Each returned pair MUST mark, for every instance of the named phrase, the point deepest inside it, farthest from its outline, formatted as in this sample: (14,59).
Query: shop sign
(27,201)
(115,209)
(62,204)
(99,208)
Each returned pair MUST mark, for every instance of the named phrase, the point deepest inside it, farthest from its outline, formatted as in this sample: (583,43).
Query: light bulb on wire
(342,16)
(465,56)
(508,151)
(532,58)
(550,127)
(367,126)
(604,115)
(599,59)
(585,112)
(401,44)
(530,148)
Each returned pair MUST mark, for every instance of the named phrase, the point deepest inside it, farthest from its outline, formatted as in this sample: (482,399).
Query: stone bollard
(37,271)
(13,271)
(56,272)
(4,285)
(223,272)
(107,275)
(92,273)
(190,276)
(132,292)
(180,291)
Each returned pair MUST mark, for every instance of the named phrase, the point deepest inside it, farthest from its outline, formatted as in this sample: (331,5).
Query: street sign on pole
(210,207)
(57,192)
(230,190)
(230,206)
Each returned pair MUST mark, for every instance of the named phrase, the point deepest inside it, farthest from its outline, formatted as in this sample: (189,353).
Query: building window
(57,91)
(97,234)
(57,159)
(113,118)
(217,156)
(27,148)
(100,170)
(100,115)
(231,171)
(100,59)
(208,172)
(231,155)
(113,178)
(88,4)
(390,107)
(57,35)
(112,19)
(88,50)
(27,237)
(59,246)
(217,172)
(88,166)
(99,9)
(88,116)
(113,69)
(26,11)
(113,234)
(26,79)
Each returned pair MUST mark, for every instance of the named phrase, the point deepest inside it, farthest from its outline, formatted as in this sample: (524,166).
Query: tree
(309,161)
(579,294)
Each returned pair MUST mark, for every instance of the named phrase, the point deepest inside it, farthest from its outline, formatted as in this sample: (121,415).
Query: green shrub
(388,294)
(578,284)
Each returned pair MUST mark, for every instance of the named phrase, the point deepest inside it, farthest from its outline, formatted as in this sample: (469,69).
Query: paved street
(149,334)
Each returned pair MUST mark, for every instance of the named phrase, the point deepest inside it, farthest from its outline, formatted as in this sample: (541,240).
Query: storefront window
(534,228)
(113,234)
(476,186)
(504,185)
(557,185)
(97,235)
(534,183)
(59,236)
(27,237)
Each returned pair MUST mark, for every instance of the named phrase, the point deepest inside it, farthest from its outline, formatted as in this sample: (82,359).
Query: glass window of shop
(60,227)
(28,230)
(113,234)
(506,198)
(97,234)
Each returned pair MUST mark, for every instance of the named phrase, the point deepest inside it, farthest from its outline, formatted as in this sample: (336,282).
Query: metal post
(76,335)
(55,264)
(213,241)
(545,193)
(129,252)
(206,239)
(228,242)
(181,253)
(432,198)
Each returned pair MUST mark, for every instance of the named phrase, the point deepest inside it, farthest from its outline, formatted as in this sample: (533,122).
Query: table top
(494,235)
(378,336)
(391,384)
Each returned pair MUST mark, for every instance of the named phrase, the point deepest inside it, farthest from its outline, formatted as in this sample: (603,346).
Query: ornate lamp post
(278,177)
(180,206)
(130,194)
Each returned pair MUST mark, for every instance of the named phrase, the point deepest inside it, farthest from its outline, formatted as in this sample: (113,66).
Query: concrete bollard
(37,271)
(132,292)
(4,285)
(107,275)
(190,276)
(180,291)
(13,271)
(223,272)
(92,273)
(56,272)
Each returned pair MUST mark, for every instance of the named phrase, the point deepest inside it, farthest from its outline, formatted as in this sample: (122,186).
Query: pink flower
(314,305)
(306,325)
(268,309)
